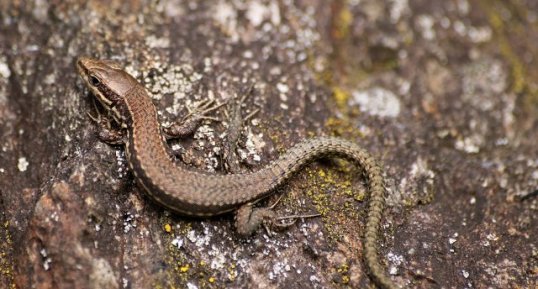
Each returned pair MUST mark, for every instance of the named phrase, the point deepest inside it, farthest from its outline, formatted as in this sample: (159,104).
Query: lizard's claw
(190,122)
(200,110)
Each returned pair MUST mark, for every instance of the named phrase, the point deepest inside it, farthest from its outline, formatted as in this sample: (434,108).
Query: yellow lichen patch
(342,22)
(522,76)
(341,97)
(6,265)
(343,271)
(232,272)
(184,268)
(345,279)
(343,268)
(174,258)
(167,228)
(185,229)
(360,196)
(180,269)
(334,195)
(518,70)
(342,127)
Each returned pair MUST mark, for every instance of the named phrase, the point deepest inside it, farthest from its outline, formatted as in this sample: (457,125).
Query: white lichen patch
(396,261)
(153,41)
(50,79)
(46,259)
(258,12)
(500,273)
(253,145)
(22,164)
(225,15)
(102,275)
(417,184)
(398,8)
(205,136)
(453,239)
(420,168)
(191,286)
(282,88)
(172,8)
(122,163)
(129,222)
(465,274)
(469,145)
(483,82)
(219,260)
(41,10)
(426,27)
(377,101)
(280,269)
(177,80)
(199,239)
(492,237)
(5,72)
(480,34)
(177,242)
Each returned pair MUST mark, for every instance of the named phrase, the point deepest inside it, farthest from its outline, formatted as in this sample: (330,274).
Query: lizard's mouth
(82,66)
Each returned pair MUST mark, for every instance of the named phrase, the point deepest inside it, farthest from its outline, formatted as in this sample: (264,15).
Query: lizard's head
(108,82)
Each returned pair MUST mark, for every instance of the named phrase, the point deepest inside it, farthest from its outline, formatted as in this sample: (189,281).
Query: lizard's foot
(293,219)
(107,133)
(249,219)
(193,119)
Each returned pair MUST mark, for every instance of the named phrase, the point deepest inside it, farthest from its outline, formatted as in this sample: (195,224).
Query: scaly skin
(194,193)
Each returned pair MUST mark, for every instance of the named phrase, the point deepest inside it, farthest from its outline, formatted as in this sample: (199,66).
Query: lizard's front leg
(106,133)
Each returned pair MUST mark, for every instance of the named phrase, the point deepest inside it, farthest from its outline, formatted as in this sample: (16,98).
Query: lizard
(193,193)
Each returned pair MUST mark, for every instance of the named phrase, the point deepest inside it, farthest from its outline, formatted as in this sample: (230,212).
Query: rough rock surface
(443,93)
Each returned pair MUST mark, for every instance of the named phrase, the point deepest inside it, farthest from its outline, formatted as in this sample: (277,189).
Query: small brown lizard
(195,193)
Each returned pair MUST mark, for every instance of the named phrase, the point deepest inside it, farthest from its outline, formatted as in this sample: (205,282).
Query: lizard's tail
(311,149)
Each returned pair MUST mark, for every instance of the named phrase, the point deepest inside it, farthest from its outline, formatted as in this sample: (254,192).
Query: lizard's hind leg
(249,219)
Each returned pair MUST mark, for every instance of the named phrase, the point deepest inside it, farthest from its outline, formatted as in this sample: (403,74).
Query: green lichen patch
(522,76)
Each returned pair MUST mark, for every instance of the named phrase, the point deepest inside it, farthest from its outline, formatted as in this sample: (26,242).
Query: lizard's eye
(94,80)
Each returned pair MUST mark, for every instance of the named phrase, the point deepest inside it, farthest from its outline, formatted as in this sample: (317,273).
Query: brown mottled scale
(190,192)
